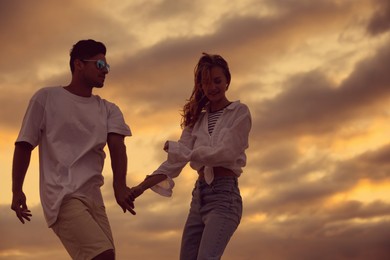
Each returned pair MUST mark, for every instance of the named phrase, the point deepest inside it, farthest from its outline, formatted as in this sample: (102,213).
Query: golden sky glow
(315,75)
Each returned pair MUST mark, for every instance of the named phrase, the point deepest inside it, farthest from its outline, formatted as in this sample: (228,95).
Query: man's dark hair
(85,49)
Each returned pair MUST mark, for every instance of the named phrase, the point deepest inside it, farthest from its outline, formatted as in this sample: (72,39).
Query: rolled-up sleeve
(172,169)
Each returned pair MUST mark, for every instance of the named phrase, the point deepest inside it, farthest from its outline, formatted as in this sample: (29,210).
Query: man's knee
(106,255)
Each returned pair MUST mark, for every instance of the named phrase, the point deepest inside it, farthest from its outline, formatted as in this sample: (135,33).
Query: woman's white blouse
(225,147)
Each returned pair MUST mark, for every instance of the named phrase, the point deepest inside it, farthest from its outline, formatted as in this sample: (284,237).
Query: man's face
(95,70)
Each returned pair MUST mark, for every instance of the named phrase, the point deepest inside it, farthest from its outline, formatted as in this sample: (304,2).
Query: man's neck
(79,90)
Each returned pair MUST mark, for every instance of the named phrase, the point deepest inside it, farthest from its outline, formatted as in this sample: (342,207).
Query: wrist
(142,187)
(17,192)
(119,185)
(17,189)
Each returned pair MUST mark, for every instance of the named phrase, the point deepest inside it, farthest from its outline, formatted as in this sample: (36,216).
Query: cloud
(25,241)
(371,165)
(379,22)
(152,74)
(149,76)
(343,241)
(313,140)
(312,105)
(166,10)
(37,37)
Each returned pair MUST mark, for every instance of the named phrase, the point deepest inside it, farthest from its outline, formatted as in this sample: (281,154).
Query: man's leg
(82,229)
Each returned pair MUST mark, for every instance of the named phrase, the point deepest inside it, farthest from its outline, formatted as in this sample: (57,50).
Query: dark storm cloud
(356,209)
(290,191)
(311,104)
(12,119)
(301,220)
(372,165)
(35,36)
(297,240)
(161,75)
(28,237)
(380,20)
(168,9)
(35,39)
(152,75)
(279,157)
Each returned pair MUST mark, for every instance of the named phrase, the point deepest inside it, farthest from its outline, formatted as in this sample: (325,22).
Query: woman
(214,140)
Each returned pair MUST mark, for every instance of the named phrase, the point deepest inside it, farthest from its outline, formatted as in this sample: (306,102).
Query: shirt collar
(233,105)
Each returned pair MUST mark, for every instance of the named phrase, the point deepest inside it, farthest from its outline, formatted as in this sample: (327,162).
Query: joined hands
(135,192)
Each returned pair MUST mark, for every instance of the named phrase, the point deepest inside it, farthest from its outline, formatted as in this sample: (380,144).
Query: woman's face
(216,87)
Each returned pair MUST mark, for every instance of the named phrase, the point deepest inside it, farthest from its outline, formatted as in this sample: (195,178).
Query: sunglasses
(101,64)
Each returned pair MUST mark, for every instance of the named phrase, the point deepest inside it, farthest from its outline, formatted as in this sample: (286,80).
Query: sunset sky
(315,75)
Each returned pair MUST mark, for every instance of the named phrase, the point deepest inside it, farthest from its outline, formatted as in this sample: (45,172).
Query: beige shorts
(83,228)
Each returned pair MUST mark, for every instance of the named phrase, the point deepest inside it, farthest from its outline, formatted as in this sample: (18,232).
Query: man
(71,126)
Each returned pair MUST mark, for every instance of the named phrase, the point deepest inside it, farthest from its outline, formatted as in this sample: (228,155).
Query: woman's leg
(216,236)
(193,229)
(221,212)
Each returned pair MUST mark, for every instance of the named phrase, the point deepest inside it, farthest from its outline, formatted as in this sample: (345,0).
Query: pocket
(228,198)
(222,194)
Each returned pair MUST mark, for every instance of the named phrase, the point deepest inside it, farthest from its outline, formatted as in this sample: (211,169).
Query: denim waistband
(219,179)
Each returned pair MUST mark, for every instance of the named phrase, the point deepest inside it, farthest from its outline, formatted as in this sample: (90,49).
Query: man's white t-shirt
(71,132)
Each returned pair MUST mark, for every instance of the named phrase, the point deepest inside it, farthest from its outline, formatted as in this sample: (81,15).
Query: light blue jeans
(214,216)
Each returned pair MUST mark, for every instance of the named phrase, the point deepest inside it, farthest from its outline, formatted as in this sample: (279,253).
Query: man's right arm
(21,161)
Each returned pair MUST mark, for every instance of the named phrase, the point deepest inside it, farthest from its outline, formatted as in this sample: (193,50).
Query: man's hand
(136,192)
(20,207)
(122,196)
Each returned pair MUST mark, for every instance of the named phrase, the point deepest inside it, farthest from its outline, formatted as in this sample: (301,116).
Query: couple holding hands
(71,126)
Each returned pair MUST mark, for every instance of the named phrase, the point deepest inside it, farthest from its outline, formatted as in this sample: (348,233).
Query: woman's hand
(135,192)
(122,195)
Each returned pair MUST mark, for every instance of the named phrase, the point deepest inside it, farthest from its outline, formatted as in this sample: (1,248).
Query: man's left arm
(117,148)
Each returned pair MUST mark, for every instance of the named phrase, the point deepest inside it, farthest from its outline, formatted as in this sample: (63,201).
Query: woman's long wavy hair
(198,101)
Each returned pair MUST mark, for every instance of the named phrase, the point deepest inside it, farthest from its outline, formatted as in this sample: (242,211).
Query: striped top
(213,118)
